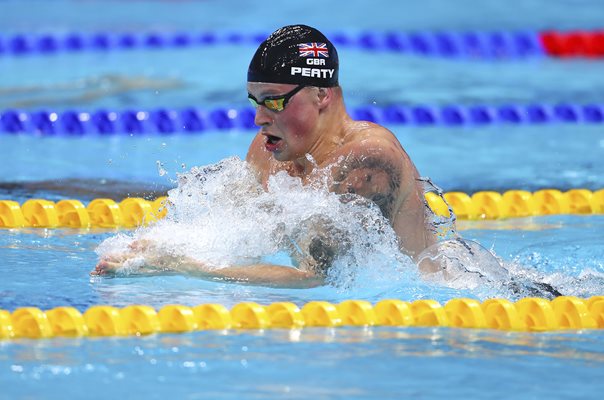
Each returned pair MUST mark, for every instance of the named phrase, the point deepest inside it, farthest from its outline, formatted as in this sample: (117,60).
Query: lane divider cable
(134,211)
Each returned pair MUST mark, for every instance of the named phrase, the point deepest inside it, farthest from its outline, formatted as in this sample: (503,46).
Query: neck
(330,134)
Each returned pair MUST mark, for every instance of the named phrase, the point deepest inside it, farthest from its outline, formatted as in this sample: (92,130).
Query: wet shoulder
(372,147)
(369,139)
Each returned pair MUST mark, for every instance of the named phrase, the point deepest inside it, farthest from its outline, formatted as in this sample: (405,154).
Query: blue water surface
(50,268)
(464,159)
(348,363)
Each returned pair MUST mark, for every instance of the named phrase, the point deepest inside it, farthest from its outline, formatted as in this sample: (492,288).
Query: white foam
(221,215)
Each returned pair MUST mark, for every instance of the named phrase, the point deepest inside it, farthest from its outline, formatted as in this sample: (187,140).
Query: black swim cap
(296,54)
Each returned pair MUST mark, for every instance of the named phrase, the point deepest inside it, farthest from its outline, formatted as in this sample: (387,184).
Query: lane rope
(527,314)
(191,120)
(133,211)
(470,44)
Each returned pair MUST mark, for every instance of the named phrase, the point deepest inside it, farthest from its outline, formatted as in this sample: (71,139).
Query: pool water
(49,268)
(512,157)
(318,363)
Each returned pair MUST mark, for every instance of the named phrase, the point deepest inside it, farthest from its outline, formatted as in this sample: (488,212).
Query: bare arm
(152,263)
(373,174)
(380,170)
(267,275)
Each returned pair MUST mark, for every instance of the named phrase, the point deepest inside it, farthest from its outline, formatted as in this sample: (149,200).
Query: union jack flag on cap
(313,50)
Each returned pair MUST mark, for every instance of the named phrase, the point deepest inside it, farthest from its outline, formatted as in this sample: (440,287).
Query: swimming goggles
(275,103)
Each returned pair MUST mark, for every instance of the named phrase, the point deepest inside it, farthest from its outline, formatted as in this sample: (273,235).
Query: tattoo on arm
(374,178)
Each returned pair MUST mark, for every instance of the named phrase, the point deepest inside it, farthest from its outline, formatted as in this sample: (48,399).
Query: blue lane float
(192,120)
(436,44)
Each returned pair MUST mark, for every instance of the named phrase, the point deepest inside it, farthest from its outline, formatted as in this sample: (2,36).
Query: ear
(325,97)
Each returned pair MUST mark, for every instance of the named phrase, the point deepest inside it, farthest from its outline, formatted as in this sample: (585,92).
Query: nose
(263,117)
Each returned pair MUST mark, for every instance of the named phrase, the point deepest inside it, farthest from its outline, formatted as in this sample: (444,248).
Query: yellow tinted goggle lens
(274,104)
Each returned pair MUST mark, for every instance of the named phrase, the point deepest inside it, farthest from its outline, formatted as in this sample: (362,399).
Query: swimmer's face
(289,132)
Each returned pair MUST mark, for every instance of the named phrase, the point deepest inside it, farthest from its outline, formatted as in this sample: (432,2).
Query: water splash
(463,264)
(221,215)
(455,262)
(160,168)
(442,226)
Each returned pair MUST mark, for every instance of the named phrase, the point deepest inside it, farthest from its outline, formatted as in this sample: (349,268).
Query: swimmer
(304,128)
(293,84)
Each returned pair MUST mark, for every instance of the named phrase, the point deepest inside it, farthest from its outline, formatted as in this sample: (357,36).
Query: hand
(112,263)
(108,265)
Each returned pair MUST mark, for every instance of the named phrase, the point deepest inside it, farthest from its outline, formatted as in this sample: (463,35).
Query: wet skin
(313,134)
(365,158)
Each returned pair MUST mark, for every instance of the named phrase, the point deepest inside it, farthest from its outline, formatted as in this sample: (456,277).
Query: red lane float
(588,44)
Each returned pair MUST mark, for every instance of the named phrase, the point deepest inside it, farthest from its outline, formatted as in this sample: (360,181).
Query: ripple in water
(221,215)
(464,264)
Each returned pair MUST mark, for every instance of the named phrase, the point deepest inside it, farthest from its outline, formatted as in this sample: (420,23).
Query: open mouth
(270,139)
